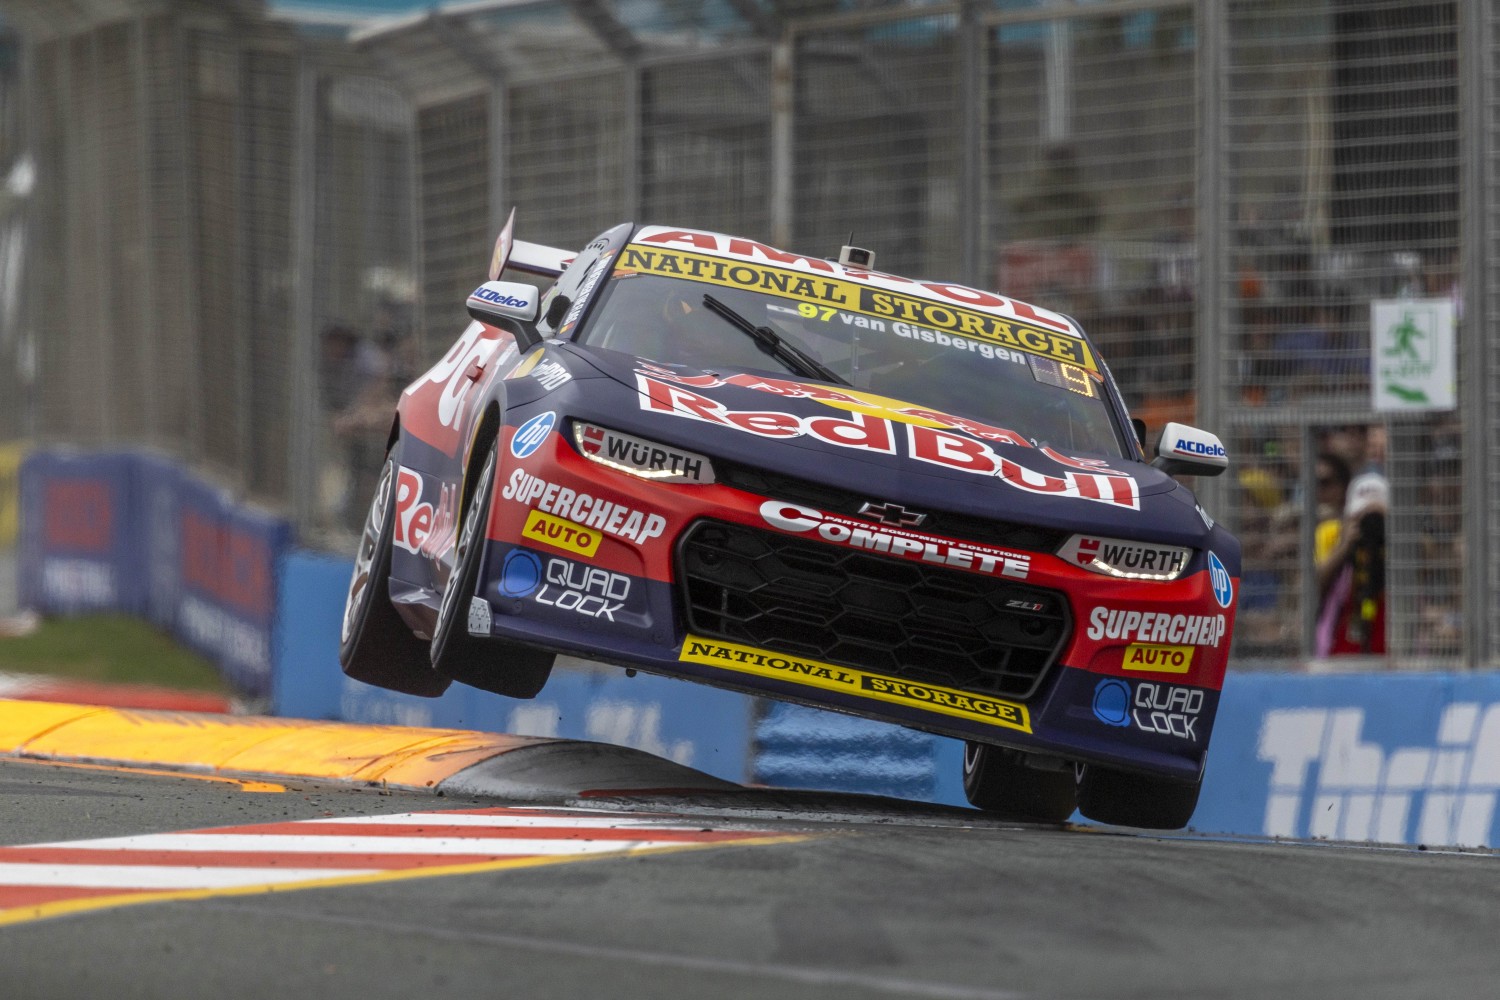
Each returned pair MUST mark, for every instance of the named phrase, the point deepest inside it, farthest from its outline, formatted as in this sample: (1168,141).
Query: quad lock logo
(564,584)
(1151,708)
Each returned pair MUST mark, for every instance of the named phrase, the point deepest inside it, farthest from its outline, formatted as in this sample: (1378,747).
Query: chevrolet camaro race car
(805,479)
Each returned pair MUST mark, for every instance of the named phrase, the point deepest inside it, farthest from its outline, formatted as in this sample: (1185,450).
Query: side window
(579,283)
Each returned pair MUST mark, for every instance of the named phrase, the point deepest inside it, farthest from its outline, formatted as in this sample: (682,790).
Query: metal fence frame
(451,62)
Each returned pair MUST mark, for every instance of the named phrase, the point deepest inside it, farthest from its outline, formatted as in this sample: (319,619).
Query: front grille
(892,616)
(840,501)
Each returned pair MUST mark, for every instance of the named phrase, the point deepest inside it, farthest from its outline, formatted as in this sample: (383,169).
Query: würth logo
(893,514)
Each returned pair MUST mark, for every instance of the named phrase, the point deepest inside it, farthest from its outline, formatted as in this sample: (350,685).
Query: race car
(805,479)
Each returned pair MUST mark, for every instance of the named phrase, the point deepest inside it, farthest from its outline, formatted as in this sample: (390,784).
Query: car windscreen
(875,342)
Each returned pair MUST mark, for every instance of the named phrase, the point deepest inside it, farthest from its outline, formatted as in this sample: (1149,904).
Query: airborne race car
(805,479)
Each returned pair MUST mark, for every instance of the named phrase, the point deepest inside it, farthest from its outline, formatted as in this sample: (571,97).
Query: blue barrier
(693,725)
(77,550)
(1387,758)
(134,533)
(226,604)
(1394,758)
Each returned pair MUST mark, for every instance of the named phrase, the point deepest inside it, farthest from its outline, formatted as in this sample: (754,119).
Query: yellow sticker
(848,680)
(561,534)
(1158,659)
(10,492)
(913,310)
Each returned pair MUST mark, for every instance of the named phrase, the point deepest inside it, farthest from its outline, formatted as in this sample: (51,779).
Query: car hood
(885,447)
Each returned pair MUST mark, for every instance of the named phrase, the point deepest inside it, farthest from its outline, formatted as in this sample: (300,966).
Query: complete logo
(1219,577)
(531,434)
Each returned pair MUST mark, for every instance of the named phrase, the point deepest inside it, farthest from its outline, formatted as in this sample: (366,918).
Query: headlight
(1126,560)
(640,457)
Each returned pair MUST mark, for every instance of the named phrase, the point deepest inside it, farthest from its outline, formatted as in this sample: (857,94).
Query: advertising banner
(1382,758)
(157,483)
(226,601)
(134,533)
(1388,758)
(77,549)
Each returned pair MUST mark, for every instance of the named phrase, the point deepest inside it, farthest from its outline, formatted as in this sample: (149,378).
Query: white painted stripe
(275,843)
(167,877)
(512,820)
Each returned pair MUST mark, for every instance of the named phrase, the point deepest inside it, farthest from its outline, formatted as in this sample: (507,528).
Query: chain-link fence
(243,235)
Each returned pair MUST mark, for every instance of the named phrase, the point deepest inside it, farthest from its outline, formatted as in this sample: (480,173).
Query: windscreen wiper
(772,343)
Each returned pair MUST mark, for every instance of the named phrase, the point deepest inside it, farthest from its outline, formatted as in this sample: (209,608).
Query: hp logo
(531,434)
(1219,577)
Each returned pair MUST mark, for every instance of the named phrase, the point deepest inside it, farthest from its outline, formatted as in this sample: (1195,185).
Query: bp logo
(531,434)
(1112,702)
(1219,577)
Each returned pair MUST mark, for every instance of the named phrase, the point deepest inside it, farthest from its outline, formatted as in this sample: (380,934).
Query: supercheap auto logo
(832,291)
(576,522)
(848,680)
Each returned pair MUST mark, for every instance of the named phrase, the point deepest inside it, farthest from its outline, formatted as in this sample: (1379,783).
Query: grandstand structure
(229,228)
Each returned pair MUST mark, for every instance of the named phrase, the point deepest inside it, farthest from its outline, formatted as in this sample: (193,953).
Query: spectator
(1263,626)
(349,367)
(1351,567)
(363,426)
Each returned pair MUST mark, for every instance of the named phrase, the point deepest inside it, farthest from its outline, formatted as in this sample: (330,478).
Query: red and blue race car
(802,478)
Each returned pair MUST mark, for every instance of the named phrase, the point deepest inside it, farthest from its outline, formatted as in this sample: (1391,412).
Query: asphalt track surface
(882,899)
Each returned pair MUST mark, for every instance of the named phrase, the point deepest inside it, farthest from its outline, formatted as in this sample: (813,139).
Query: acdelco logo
(1187,447)
(492,296)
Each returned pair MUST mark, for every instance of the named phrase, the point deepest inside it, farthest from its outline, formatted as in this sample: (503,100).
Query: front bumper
(590,561)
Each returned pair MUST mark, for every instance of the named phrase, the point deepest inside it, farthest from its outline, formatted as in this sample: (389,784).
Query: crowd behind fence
(233,237)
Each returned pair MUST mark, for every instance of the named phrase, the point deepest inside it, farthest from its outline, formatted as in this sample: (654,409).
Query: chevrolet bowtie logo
(893,514)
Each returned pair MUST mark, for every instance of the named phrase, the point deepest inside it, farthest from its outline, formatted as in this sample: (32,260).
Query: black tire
(1124,799)
(375,645)
(998,780)
(493,665)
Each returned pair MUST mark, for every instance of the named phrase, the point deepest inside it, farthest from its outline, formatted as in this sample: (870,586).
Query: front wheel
(375,646)
(1124,799)
(1005,782)
(502,667)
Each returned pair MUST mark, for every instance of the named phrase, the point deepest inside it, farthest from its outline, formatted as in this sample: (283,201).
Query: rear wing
(532,258)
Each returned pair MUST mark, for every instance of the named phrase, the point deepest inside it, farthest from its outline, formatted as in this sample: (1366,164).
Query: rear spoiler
(532,258)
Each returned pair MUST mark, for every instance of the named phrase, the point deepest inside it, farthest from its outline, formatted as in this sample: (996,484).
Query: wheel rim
(364,556)
(971,758)
(461,549)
